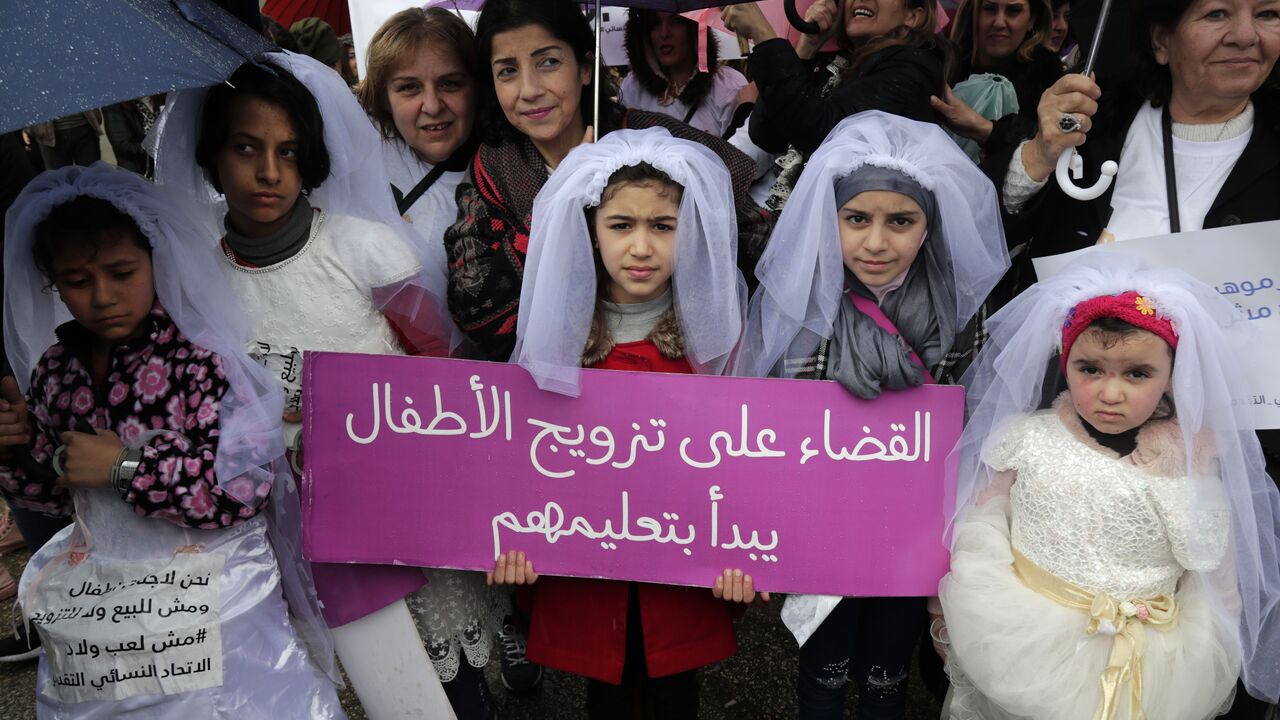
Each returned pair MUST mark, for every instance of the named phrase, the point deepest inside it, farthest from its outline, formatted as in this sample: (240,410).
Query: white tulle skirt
(1017,655)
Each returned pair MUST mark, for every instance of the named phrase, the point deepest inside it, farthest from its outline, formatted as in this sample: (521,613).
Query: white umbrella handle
(1070,166)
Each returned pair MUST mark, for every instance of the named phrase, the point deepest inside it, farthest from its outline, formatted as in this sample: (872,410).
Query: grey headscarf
(865,358)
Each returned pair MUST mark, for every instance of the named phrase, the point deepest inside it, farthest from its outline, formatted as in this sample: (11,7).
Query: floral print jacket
(157,382)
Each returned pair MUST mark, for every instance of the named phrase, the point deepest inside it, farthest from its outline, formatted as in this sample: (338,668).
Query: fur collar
(1160,450)
(665,336)
(636,41)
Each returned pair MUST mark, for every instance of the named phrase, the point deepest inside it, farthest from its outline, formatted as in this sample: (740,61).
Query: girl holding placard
(893,244)
(632,266)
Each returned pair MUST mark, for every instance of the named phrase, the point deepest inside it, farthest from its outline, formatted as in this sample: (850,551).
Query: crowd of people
(865,215)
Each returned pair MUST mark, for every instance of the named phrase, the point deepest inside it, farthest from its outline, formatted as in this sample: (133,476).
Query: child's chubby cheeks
(636,236)
(1117,381)
(106,284)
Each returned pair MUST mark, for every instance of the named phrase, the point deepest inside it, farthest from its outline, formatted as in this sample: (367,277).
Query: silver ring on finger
(1069,123)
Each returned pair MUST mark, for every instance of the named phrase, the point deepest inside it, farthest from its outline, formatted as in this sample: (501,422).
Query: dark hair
(402,36)
(964,29)
(278,34)
(276,86)
(919,37)
(641,174)
(563,19)
(636,41)
(82,220)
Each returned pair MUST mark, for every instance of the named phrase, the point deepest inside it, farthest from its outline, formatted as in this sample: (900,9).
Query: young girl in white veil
(145,410)
(321,260)
(1114,554)
(874,277)
(631,266)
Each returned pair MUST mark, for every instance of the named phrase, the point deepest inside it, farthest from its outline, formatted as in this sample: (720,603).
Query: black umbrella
(67,56)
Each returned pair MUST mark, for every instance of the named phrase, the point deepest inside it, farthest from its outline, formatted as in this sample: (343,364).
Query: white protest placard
(1241,262)
(112,630)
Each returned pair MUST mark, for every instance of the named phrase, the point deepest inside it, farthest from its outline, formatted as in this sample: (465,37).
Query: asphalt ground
(757,683)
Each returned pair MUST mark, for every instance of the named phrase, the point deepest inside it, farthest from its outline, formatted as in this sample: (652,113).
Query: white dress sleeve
(373,253)
(1008,450)
(1196,518)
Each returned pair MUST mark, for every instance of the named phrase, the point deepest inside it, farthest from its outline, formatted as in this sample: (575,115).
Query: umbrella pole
(595,111)
(1096,45)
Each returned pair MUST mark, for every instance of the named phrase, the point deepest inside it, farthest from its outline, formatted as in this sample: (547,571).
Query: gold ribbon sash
(1123,620)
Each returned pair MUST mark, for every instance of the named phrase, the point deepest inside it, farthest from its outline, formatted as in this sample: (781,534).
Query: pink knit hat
(1135,309)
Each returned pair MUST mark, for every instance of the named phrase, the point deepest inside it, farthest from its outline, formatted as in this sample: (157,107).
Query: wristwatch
(125,467)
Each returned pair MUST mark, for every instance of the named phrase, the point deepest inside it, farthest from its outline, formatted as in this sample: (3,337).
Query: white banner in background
(1242,263)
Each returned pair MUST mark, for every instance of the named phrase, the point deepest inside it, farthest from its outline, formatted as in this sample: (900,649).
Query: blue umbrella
(67,56)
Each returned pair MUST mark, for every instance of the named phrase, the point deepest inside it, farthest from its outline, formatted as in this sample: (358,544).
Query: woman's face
(1002,27)
(669,39)
(350,55)
(1221,51)
(539,84)
(1061,27)
(432,101)
(880,235)
(867,19)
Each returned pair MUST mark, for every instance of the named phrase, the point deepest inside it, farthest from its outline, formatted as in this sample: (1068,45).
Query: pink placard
(652,477)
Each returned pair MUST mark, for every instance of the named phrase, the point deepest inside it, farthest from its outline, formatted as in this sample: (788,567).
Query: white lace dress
(1120,526)
(320,300)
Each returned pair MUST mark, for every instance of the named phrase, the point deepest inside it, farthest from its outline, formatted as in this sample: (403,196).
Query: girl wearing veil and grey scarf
(888,296)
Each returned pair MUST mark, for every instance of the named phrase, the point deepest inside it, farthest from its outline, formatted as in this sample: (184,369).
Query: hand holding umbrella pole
(1070,164)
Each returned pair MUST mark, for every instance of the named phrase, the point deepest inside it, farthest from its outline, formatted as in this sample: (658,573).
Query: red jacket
(580,625)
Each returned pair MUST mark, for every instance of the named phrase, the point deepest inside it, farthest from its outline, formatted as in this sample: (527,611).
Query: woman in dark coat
(894,64)
(1006,38)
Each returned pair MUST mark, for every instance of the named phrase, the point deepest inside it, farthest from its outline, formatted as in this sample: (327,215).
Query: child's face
(539,82)
(258,166)
(636,235)
(880,235)
(1117,383)
(107,286)
(432,102)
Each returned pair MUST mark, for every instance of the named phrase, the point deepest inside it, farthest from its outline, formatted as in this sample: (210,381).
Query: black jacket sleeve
(792,110)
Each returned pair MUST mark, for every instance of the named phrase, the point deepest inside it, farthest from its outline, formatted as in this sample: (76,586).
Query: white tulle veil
(801,273)
(357,185)
(1018,372)
(557,299)
(250,463)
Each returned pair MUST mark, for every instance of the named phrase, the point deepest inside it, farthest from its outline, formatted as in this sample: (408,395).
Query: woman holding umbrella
(539,91)
(1196,133)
